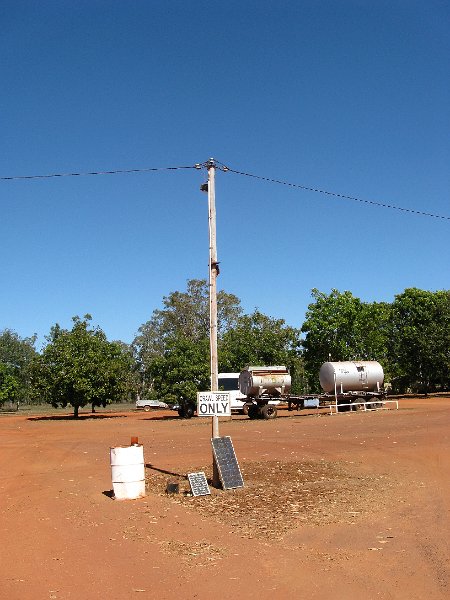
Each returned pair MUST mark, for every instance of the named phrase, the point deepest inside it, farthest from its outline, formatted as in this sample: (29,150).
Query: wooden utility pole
(213,272)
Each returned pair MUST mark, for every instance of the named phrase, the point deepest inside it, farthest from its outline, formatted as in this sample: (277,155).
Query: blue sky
(351,97)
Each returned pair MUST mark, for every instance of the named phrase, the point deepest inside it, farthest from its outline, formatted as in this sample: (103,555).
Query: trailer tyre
(186,412)
(268,411)
(253,411)
(374,405)
(189,412)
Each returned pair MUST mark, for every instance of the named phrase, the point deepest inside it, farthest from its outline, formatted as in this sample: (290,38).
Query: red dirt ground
(354,505)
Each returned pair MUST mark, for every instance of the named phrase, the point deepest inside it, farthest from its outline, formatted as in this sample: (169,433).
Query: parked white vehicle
(150,404)
(229,382)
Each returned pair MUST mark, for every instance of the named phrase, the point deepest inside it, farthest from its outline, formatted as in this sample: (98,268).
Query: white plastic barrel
(128,472)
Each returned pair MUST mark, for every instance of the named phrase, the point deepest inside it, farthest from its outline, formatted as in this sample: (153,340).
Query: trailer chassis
(343,401)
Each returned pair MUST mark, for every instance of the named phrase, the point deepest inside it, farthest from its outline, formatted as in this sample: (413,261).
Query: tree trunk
(75,411)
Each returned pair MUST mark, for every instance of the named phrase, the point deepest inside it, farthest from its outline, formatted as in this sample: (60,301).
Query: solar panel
(227,464)
(199,484)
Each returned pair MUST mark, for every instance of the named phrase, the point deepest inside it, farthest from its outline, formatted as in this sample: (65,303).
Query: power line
(115,172)
(224,168)
(337,195)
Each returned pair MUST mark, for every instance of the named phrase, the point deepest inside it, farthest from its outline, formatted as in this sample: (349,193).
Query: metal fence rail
(377,405)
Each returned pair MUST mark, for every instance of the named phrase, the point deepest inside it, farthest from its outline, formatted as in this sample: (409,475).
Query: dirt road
(344,506)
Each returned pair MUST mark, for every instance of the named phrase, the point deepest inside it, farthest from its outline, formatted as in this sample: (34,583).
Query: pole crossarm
(212,163)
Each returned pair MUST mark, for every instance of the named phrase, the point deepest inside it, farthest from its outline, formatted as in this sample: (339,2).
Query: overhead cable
(224,168)
(115,172)
(337,195)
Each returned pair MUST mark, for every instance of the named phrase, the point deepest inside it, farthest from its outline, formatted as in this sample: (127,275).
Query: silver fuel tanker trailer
(353,382)
(264,387)
(347,384)
(351,376)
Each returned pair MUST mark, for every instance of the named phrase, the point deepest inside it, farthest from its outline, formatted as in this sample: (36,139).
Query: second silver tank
(351,376)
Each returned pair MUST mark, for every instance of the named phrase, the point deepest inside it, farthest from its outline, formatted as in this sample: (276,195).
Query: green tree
(420,340)
(182,370)
(185,316)
(258,339)
(81,367)
(9,385)
(339,327)
(374,330)
(173,347)
(17,354)
(134,377)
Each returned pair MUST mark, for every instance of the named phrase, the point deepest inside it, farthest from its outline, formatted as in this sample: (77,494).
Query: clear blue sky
(350,96)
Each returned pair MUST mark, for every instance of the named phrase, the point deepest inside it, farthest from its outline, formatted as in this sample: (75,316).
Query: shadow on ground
(72,418)
(153,468)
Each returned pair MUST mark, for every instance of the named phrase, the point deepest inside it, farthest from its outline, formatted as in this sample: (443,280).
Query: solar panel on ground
(227,464)
(199,484)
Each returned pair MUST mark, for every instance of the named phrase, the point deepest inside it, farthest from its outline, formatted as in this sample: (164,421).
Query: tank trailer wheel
(186,412)
(245,409)
(374,404)
(253,411)
(189,412)
(268,411)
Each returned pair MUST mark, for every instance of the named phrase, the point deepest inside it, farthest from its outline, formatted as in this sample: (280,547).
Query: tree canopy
(9,385)
(185,316)
(169,357)
(409,337)
(80,367)
(173,347)
(182,370)
(420,340)
(16,355)
(258,339)
(339,327)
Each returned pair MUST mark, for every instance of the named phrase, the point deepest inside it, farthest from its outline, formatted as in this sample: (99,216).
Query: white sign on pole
(213,404)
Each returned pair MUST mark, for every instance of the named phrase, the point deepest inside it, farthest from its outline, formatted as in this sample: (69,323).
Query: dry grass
(278,496)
